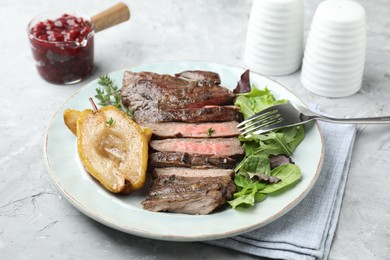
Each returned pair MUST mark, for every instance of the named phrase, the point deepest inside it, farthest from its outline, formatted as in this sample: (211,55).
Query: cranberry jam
(62,47)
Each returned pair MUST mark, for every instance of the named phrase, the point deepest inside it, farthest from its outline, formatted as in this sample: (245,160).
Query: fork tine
(269,119)
(258,119)
(262,113)
(269,123)
(270,128)
(265,129)
(275,117)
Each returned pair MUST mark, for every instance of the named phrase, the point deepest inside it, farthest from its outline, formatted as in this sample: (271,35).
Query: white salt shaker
(274,44)
(334,57)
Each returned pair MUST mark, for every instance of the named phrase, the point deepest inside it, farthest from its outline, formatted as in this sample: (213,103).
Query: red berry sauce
(63,48)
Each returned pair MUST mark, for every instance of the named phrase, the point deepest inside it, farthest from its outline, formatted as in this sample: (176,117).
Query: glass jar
(62,45)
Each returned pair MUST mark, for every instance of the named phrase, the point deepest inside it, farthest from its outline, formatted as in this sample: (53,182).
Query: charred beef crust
(189,195)
(196,115)
(187,160)
(189,115)
(172,186)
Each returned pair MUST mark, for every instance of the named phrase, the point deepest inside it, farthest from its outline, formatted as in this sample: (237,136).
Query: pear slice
(70,119)
(112,148)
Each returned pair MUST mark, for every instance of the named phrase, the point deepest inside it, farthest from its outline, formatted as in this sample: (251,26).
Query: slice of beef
(194,130)
(196,115)
(151,92)
(189,115)
(189,191)
(200,161)
(194,173)
(210,146)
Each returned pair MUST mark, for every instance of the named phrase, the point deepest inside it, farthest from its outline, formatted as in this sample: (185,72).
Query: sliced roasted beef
(194,173)
(195,115)
(189,191)
(194,130)
(200,161)
(189,115)
(209,146)
(191,174)
(152,93)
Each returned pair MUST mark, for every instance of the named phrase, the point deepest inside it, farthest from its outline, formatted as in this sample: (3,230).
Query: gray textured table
(36,222)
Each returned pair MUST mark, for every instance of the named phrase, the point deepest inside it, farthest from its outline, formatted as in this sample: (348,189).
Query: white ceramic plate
(125,213)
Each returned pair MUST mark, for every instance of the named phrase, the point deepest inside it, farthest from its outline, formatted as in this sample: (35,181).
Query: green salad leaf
(255,101)
(247,192)
(282,141)
(255,164)
(289,175)
(259,149)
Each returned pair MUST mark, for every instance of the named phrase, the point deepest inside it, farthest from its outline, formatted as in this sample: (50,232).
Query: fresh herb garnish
(110,95)
(110,122)
(210,131)
(253,170)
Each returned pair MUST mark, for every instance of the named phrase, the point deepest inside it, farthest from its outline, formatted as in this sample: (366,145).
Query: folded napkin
(306,232)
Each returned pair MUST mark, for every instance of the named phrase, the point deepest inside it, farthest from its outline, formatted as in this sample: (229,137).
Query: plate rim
(134,231)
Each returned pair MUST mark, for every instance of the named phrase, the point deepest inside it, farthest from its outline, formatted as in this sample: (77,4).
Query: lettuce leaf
(255,101)
(258,149)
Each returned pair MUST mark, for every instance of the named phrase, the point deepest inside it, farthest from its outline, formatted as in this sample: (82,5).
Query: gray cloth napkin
(306,232)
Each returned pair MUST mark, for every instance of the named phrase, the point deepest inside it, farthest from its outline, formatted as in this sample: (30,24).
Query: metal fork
(289,114)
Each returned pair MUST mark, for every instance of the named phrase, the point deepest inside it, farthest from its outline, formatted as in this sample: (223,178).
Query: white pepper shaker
(274,44)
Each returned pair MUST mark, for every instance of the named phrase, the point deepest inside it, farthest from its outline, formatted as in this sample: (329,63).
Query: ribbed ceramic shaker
(334,57)
(274,44)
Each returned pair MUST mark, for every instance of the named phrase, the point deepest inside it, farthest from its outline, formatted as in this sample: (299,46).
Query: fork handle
(362,120)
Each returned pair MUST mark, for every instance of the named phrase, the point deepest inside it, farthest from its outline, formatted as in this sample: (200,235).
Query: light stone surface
(36,222)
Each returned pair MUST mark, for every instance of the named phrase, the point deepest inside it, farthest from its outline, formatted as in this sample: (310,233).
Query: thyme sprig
(210,131)
(110,95)
(110,122)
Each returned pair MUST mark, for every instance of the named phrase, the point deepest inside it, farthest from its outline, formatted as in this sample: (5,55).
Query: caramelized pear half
(71,116)
(112,148)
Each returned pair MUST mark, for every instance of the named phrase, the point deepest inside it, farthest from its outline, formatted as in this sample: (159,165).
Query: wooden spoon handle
(114,15)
